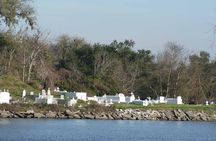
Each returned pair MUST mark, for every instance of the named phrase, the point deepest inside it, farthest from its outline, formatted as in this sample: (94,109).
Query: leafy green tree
(13,11)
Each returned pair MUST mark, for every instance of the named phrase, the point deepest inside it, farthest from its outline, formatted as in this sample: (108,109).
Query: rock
(127,116)
(169,115)
(213,117)
(180,115)
(155,114)
(6,114)
(190,115)
(163,116)
(68,113)
(116,116)
(39,115)
(71,115)
(30,112)
(19,115)
(101,116)
(110,117)
(61,115)
(201,116)
(89,116)
(51,114)
(76,116)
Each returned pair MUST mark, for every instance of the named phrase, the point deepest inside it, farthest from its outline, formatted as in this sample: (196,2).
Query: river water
(102,130)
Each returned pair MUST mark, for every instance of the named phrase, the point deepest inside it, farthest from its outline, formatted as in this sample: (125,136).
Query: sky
(150,23)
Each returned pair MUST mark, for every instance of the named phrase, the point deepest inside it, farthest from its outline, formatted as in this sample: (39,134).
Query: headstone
(111,101)
(48,91)
(207,103)
(43,92)
(179,100)
(24,93)
(31,93)
(161,99)
(62,96)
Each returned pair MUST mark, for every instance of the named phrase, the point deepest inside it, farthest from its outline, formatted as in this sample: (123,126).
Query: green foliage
(12,11)
(184,107)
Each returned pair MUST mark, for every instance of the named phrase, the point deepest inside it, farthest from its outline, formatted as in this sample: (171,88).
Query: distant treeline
(76,65)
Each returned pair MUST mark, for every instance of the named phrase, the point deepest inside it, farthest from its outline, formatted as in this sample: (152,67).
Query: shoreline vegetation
(30,60)
(116,112)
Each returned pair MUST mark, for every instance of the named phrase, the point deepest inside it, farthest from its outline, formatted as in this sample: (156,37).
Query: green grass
(184,107)
(15,86)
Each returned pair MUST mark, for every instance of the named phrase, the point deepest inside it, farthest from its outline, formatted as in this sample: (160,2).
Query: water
(96,130)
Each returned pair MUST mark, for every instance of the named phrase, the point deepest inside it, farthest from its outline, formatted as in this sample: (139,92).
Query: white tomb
(45,98)
(130,99)
(118,98)
(162,99)
(93,98)
(177,100)
(78,95)
(5,97)
(141,102)
(72,102)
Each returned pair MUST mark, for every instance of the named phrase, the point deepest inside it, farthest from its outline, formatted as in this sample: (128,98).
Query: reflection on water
(4,121)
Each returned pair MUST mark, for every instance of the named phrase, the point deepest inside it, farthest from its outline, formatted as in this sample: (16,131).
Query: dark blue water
(95,130)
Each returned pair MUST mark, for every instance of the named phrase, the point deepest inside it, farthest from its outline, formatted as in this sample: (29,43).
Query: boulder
(101,116)
(51,114)
(115,116)
(76,116)
(169,115)
(180,115)
(6,114)
(110,117)
(89,116)
(20,114)
(190,115)
(127,117)
(39,115)
(68,113)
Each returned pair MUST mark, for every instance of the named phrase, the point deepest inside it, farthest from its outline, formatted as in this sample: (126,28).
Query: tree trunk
(168,83)
(176,84)
(10,59)
(29,71)
(24,66)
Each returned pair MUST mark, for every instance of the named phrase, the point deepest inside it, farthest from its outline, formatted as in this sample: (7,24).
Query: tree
(199,80)
(35,47)
(13,11)
(168,62)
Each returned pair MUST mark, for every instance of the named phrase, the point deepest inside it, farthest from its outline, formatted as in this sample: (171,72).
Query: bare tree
(169,61)
(36,45)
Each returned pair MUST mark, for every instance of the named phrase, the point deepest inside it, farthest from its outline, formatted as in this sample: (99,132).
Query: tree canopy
(13,11)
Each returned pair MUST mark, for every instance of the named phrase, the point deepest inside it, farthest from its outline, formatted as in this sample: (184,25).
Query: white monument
(179,100)
(48,91)
(130,99)
(162,99)
(23,93)
(45,98)
(5,97)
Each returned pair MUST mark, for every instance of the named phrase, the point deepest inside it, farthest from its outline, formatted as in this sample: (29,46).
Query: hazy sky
(150,23)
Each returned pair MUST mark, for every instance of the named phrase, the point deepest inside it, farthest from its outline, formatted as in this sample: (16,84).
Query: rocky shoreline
(118,114)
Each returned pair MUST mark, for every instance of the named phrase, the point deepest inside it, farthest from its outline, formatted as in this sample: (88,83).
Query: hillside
(14,85)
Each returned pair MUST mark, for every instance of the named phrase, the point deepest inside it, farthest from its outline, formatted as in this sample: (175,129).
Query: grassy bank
(14,85)
(185,107)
